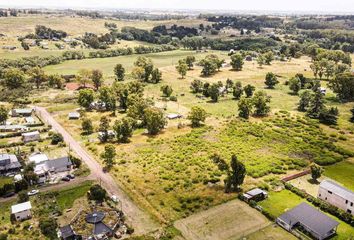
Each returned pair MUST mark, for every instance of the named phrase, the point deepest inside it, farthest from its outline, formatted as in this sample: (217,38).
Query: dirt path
(139,219)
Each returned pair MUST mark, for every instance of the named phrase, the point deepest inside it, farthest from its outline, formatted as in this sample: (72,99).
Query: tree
(190,61)
(154,120)
(197,116)
(97,193)
(295,85)
(166,90)
(119,72)
(328,116)
(305,99)
(316,105)
(229,84)
(196,86)
(144,68)
(37,76)
(56,138)
(343,86)
(83,77)
(48,227)
(86,97)
(97,78)
(136,107)
(3,114)
(156,76)
(271,80)
(236,175)
(107,96)
(237,62)
(214,92)
(249,89)
(206,91)
(22,197)
(316,171)
(237,90)
(124,129)
(260,60)
(220,163)
(182,68)
(14,78)
(268,57)
(87,126)
(103,128)
(55,81)
(245,107)
(109,155)
(260,102)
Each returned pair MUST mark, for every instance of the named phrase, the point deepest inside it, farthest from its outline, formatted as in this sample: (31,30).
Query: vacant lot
(279,202)
(231,220)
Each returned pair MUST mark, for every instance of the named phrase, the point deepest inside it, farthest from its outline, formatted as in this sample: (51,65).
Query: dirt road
(139,219)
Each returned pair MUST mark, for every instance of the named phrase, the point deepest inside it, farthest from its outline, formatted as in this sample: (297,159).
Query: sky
(250,5)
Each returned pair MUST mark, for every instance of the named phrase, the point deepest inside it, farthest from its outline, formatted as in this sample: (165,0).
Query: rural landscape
(177,124)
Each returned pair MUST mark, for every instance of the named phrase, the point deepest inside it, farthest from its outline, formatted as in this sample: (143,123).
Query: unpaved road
(139,219)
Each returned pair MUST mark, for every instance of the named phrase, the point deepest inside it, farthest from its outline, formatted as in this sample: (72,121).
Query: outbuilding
(21,112)
(256,194)
(308,219)
(31,136)
(74,115)
(21,211)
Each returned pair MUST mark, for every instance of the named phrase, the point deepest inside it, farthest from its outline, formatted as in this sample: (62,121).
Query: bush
(57,138)
(48,227)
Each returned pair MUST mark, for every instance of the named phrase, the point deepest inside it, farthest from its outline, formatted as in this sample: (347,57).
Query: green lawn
(342,172)
(66,197)
(279,202)
(5,180)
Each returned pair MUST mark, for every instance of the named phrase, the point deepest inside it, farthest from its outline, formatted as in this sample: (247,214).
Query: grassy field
(66,197)
(270,232)
(232,220)
(279,202)
(342,172)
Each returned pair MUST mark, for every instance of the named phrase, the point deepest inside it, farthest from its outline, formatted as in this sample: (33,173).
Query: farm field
(279,202)
(232,220)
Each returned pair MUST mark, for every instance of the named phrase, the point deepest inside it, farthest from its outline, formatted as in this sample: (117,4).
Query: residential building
(22,112)
(308,219)
(31,136)
(336,195)
(22,211)
(9,163)
(44,169)
(38,158)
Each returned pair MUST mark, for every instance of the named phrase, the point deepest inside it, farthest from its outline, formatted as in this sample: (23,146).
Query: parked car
(71,176)
(65,179)
(33,192)
(114,198)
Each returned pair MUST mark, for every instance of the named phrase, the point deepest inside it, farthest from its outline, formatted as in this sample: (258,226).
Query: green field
(279,202)
(66,197)
(342,172)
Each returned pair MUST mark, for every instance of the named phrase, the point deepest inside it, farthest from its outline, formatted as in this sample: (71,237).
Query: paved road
(139,219)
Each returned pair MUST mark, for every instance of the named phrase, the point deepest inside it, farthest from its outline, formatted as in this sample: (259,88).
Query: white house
(38,158)
(22,211)
(31,136)
(337,195)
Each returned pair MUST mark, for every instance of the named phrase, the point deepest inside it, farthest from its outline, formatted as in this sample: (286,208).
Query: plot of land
(231,220)
(342,172)
(270,232)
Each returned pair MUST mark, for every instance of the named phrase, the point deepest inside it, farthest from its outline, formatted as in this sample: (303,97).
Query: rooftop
(95,217)
(66,231)
(38,158)
(30,133)
(310,217)
(337,189)
(256,191)
(21,207)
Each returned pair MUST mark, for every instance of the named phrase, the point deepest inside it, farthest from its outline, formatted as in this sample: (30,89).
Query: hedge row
(333,210)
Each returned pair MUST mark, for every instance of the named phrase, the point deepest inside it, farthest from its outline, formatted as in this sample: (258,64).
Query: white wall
(335,200)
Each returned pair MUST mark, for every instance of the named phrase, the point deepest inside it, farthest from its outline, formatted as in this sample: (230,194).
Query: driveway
(139,219)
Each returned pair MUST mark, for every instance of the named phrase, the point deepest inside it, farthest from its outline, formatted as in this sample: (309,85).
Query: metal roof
(101,228)
(30,133)
(337,189)
(38,158)
(66,231)
(95,217)
(309,217)
(21,207)
(58,163)
(256,191)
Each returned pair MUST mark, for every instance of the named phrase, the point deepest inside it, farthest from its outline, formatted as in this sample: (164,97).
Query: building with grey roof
(256,194)
(22,112)
(309,220)
(9,163)
(336,195)
(31,136)
(74,115)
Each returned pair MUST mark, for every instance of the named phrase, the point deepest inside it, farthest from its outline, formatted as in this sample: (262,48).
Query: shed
(31,136)
(74,115)
(67,233)
(22,112)
(316,223)
(22,211)
(172,116)
(256,194)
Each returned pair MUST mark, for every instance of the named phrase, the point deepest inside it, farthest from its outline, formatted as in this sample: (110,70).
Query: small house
(57,165)
(256,194)
(38,158)
(74,115)
(13,128)
(173,116)
(336,195)
(21,211)
(310,220)
(9,163)
(31,136)
(22,112)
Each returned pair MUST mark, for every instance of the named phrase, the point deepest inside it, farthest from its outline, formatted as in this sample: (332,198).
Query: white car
(115,199)
(33,192)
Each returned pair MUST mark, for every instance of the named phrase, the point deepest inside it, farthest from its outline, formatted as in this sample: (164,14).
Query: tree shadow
(313,181)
